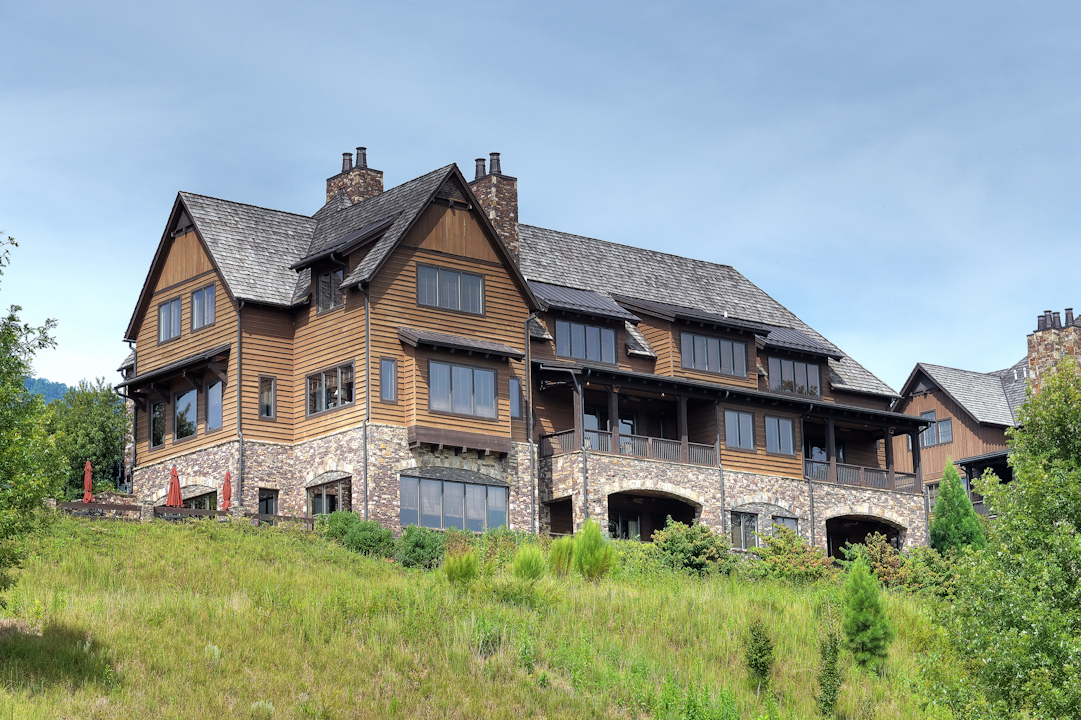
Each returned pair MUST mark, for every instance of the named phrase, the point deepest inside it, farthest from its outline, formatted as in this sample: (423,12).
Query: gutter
(582,440)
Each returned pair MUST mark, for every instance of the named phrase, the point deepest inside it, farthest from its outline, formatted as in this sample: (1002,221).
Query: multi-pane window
(937,433)
(585,342)
(202,307)
(515,398)
(267,397)
(711,354)
(157,424)
(786,522)
(169,320)
(330,389)
(462,390)
(213,405)
(794,377)
(450,289)
(207,501)
(268,501)
(186,415)
(330,293)
(932,495)
(779,436)
(443,504)
(739,429)
(744,527)
(388,380)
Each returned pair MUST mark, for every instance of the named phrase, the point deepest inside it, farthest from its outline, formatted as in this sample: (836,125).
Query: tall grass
(214,620)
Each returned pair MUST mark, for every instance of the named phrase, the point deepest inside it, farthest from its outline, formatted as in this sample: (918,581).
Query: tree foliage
(89,422)
(787,556)
(954,522)
(867,629)
(1016,614)
(593,555)
(830,673)
(28,459)
(695,548)
(759,654)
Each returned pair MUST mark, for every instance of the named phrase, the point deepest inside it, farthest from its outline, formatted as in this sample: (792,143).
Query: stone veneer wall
(207,466)
(1047,347)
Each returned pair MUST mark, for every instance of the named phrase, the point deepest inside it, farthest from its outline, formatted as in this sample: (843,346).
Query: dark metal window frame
(180,321)
(322,373)
(440,269)
(213,310)
(336,291)
(747,539)
(780,380)
(451,365)
(442,505)
(271,494)
(393,399)
(587,327)
(274,396)
(150,424)
(754,431)
(795,521)
(720,366)
(791,434)
(933,429)
(517,402)
(206,395)
(195,424)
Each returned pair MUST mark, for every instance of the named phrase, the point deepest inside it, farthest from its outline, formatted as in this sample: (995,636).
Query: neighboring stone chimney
(498,197)
(359,182)
(1052,341)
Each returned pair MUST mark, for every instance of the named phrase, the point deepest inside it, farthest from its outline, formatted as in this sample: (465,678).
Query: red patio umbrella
(88,497)
(226,492)
(173,499)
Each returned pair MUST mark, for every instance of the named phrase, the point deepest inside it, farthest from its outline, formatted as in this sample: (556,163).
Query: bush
(592,553)
(882,559)
(759,657)
(787,556)
(368,537)
(338,524)
(695,548)
(529,563)
(419,548)
(867,629)
(461,567)
(929,571)
(639,560)
(560,556)
(516,591)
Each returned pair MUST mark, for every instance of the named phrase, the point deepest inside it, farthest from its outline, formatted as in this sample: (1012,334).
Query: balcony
(861,476)
(630,445)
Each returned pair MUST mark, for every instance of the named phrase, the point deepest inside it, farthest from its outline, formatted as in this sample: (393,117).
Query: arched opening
(329,492)
(855,529)
(637,514)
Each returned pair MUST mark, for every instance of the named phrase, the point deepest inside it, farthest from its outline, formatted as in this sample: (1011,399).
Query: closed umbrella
(226,492)
(173,499)
(88,497)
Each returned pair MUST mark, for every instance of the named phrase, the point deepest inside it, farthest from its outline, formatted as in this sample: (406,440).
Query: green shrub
(695,548)
(592,553)
(830,673)
(867,629)
(498,545)
(513,590)
(529,563)
(560,556)
(882,559)
(930,572)
(457,541)
(639,560)
(262,710)
(759,654)
(338,524)
(787,556)
(368,537)
(461,567)
(419,548)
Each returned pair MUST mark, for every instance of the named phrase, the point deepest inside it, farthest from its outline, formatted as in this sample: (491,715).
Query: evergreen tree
(830,673)
(954,522)
(867,629)
(759,653)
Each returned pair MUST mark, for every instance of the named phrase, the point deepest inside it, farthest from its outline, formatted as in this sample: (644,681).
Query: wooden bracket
(219,369)
(160,390)
(194,381)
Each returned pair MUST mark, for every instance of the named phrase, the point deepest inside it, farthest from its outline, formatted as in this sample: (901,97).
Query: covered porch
(859,451)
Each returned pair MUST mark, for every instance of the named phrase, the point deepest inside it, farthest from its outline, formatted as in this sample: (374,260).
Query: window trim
(451,413)
(320,312)
(271,492)
(404,475)
(601,329)
(307,390)
(150,425)
(743,529)
(934,426)
(206,403)
(765,427)
(754,431)
(483,290)
(273,416)
(769,373)
(196,423)
(382,385)
(203,289)
(720,372)
(514,390)
(180,329)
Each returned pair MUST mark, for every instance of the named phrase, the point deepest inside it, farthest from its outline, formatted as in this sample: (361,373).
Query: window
(744,527)
(794,377)
(388,380)
(186,415)
(207,501)
(330,389)
(443,504)
(202,307)
(937,433)
(169,320)
(213,405)
(450,289)
(945,431)
(739,430)
(461,390)
(713,355)
(268,501)
(515,398)
(157,424)
(330,293)
(585,342)
(932,495)
(267,397)
(787,522)
(779,436)
(323,499)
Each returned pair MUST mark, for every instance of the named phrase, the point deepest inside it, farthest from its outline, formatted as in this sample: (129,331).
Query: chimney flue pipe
(362,158)
(347,162)
(481,172)
(1041,323)
(1056,320)
(493,167)
(1069,317)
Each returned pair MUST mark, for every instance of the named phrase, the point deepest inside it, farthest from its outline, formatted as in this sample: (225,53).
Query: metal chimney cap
(481,172)
(362,157)
(494,168)
(347,161)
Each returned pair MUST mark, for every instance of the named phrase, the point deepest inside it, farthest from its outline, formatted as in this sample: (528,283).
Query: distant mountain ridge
(51,390)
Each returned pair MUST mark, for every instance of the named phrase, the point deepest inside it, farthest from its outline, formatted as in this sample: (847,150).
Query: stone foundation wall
(339,452)
(904,510)
(206,466)
(767,496)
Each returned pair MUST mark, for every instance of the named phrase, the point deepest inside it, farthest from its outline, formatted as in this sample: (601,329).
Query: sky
(902,176)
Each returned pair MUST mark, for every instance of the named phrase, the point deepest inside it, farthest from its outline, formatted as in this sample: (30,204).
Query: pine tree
(867,629)
(954,522)
(759,653)
(830,673)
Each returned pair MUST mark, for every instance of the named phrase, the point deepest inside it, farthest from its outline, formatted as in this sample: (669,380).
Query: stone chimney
(359,182)
(498,197)
(1051,341)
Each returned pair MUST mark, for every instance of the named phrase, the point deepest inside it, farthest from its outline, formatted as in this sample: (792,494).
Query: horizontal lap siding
(760,461)
(658,333)
(268,351)
(555,410)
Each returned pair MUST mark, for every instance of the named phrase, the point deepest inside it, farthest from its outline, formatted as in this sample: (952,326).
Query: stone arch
(187,479)
(676,491)
(766,500)
(327,465)
(867,510)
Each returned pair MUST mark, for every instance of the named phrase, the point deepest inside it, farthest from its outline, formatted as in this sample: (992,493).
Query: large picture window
(585,342)
(794,377)
(739,430)
(186,415)
(157,424)
(213,405)
(330,389)
(169,320)
(450,289)
(779,436)
(461,389)
(330,293)
(744,527)
(202,307)
(442,504)
(699,352)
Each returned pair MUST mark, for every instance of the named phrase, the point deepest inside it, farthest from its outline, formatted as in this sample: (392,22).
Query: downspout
(581,440)
(810,481)
(533,520)
(720,464)
(367,387)
(239,415)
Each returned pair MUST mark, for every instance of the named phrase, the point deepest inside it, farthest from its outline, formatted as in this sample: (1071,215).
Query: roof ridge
(251,205)
(633,247)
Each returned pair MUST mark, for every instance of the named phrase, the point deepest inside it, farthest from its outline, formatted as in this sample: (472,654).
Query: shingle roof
(583,301)
(609,268)
(438,472)
(637,343)
(672,312)
(129,362)
(792,339)
(982,395)
(1014,382)
(416,337)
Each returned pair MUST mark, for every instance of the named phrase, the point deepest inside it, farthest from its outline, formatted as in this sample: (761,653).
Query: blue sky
(902,176)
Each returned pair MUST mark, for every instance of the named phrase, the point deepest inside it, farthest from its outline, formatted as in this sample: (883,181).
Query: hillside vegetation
(219,620)
(46,388)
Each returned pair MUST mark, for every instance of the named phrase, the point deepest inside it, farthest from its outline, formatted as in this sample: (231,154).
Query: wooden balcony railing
(632,445)
(861,476)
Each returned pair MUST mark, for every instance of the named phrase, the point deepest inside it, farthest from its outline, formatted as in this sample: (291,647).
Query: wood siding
(760,461)
(268,352)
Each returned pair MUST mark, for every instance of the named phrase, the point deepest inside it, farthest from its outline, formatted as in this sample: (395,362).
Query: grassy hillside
(210,620)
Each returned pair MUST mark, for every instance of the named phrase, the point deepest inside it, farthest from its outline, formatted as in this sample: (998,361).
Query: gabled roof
(981,395)
(612,269)
(585,302)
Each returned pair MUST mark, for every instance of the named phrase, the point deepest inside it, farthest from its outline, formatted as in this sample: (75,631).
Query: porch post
(831,449)
(917,465)
(720,466)
(579,438)
(684,448)
(887,438)
(613,418)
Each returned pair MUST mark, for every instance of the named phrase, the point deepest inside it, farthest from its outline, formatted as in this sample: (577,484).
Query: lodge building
(418,356)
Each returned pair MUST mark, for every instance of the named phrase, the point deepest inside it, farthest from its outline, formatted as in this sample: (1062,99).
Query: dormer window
(794,377)
(330,290)
(585,342)
(450,289)
(699,352)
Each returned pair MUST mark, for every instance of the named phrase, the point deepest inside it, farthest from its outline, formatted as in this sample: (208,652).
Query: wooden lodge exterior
(418,356)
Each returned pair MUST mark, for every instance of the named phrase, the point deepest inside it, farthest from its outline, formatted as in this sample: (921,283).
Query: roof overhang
(352,241)
(457,343)
(198,361)
(451,474)
(693,316)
